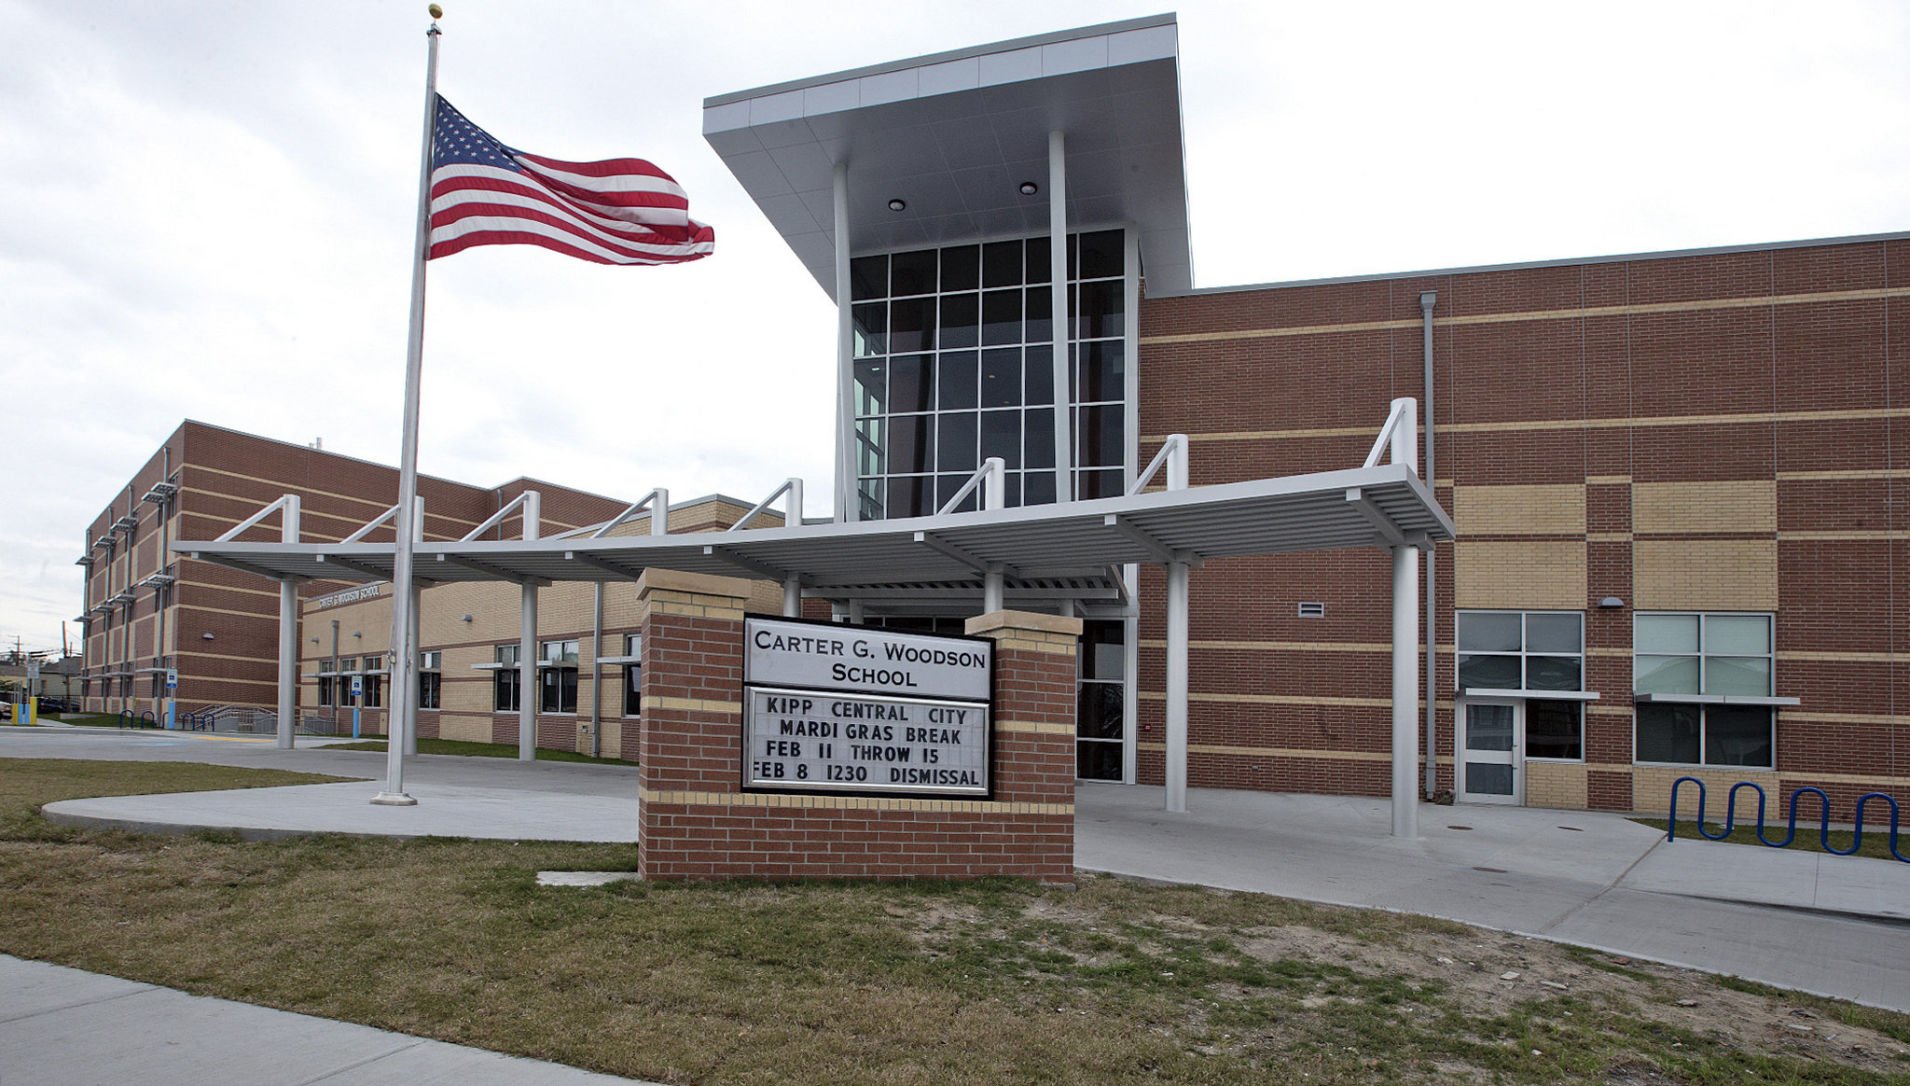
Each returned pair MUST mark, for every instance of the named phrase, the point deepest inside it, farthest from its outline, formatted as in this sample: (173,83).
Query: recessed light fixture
(1029,188)
(898,204)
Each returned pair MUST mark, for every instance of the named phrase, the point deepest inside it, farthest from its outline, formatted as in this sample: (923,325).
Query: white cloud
(209,207)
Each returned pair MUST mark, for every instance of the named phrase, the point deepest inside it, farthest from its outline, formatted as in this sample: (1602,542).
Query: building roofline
(987,49)
(1475,269)
(322,452)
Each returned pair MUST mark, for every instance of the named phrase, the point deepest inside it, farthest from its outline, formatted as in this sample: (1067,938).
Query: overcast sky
(206,208)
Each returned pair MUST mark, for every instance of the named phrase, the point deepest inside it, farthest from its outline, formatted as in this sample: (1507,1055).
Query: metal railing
(1790,835)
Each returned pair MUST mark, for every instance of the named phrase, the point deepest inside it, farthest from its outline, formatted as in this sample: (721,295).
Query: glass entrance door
(1491,737)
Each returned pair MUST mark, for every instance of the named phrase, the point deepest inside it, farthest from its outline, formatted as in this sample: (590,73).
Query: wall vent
(1312,609)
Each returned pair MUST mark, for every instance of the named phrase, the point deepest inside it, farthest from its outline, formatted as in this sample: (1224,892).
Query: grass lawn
(931,983)
(88,720)
(1876,842)
(479,750)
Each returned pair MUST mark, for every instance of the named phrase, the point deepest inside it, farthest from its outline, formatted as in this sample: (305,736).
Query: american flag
(618,211)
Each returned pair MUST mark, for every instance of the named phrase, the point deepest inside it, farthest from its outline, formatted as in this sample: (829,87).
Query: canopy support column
(848,507)
(1177,687)
(527,641)
(1405,450)
(288,631)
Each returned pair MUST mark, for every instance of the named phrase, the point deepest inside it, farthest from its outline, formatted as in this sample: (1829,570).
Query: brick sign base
(696,821)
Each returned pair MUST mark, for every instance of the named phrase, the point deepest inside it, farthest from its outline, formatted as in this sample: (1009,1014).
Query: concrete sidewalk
(1827,924)
(496,798)
(64,1027)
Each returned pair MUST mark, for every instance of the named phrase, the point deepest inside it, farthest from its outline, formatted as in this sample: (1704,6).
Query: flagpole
(401,716)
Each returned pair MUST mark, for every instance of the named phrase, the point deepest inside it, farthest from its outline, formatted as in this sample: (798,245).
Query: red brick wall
(690,659)
(1645,370)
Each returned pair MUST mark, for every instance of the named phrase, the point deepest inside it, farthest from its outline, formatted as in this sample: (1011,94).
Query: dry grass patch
(1116,982)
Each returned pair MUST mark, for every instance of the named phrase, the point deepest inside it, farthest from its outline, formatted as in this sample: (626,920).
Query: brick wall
(698,823)
(1708,432)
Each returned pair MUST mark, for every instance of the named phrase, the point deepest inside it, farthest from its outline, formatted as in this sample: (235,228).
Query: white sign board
(172,678)
(33,671)
(808,739)
(825,656)
(832,708)
(357,686)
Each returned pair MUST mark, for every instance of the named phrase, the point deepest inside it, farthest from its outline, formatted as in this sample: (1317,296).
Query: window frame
(1523,654)
(1703,701)
(557,672)
(506,680)
(633,676)
(431,679)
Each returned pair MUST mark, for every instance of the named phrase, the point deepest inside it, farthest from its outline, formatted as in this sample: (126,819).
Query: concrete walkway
(1832,925)
(64,1027)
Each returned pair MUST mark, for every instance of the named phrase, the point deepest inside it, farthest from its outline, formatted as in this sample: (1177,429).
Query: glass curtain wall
(954,364)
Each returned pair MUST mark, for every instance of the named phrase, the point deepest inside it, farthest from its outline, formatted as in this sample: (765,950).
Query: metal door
(1491,739)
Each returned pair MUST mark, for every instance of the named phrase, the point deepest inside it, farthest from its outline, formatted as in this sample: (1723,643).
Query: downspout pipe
(1427,300)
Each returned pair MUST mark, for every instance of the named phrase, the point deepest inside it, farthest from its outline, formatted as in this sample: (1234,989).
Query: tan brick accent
(1651,790)
(1705,574)
(1704,508)
(1537,575)
(1519,510)
(1026,631)
(697,595)
(1555,784)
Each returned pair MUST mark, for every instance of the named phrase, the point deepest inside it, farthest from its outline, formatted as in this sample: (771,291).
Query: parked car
(58,705)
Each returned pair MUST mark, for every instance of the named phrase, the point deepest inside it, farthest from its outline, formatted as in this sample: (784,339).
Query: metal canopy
(953,136)
(1046,550)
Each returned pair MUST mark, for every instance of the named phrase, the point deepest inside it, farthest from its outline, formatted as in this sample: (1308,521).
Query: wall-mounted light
(1611,601)
(357,633)
(898,204)
(205,637)
(465,618)
(1029,188)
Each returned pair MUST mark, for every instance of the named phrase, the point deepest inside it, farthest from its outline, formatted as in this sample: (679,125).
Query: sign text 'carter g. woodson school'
(843,708)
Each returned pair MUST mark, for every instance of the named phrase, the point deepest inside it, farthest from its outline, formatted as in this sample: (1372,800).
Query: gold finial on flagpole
(436,11)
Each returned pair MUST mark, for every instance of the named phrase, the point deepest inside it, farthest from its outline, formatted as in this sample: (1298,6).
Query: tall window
(954,354)
(347,667)
(504,681)
(328,683)
(557,676)
(374,682)
(1100,727)
(1530,652)
(430,679)
(633,675)
(1710,659)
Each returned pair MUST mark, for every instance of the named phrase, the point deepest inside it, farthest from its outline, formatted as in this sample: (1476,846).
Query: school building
(1670,477)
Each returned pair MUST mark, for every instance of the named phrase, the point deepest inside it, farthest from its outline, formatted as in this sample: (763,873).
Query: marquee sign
(832,708)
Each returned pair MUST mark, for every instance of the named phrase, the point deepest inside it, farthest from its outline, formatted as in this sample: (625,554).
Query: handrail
(1173,453)
(993,495)
(1823,827)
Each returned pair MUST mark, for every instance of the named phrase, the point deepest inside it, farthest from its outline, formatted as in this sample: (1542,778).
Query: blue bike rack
(1790,835)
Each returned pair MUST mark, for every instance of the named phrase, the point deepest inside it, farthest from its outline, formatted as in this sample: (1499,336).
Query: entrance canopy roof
(1048,551)
(953,135)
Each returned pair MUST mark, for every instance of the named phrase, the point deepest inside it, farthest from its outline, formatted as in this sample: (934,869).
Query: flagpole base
(393,799)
